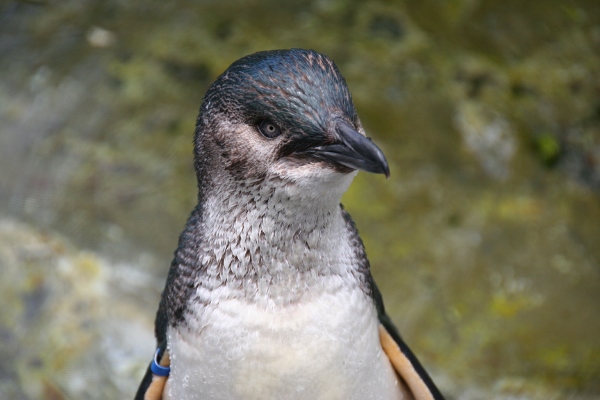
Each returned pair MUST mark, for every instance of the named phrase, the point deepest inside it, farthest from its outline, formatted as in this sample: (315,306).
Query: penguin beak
(352,150)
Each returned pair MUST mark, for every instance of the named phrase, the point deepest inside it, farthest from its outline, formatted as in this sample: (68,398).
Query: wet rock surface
(74,325)
(484,241)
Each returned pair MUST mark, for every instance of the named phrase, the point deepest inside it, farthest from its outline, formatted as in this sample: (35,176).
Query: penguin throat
(271,241)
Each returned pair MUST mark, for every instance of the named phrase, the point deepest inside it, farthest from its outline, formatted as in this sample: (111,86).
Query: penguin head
(283,114)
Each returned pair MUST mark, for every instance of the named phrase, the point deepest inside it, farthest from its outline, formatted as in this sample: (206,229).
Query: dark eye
(269,129)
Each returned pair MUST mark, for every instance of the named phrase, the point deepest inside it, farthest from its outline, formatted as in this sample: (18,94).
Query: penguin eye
(268,129)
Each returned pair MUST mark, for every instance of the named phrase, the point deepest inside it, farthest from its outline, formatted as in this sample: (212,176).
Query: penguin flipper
(405,369)
(144,385)
(403,360)
(405,363)
(153,385)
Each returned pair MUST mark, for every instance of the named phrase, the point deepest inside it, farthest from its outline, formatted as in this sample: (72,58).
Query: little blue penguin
(270,294)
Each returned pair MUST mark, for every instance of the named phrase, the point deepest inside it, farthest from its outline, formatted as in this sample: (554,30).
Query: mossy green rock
(484,240)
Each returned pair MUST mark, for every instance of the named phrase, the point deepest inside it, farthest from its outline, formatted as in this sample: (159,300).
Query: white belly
(325,348)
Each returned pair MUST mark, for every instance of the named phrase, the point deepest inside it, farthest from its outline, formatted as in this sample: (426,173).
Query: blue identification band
(158,369)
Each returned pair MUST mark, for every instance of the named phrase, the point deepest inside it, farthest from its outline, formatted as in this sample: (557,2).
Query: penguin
(269,294)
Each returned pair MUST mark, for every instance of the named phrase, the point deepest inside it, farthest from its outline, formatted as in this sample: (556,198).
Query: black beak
(352,150)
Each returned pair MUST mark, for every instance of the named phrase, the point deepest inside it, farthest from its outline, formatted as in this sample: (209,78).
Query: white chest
(323,348)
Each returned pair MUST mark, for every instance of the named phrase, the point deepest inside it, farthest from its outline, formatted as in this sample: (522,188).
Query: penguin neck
(272,238)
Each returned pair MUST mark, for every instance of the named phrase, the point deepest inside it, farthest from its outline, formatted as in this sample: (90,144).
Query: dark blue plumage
(280,84)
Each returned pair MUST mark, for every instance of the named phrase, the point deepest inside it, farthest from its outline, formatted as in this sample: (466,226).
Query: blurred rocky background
(485,241)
